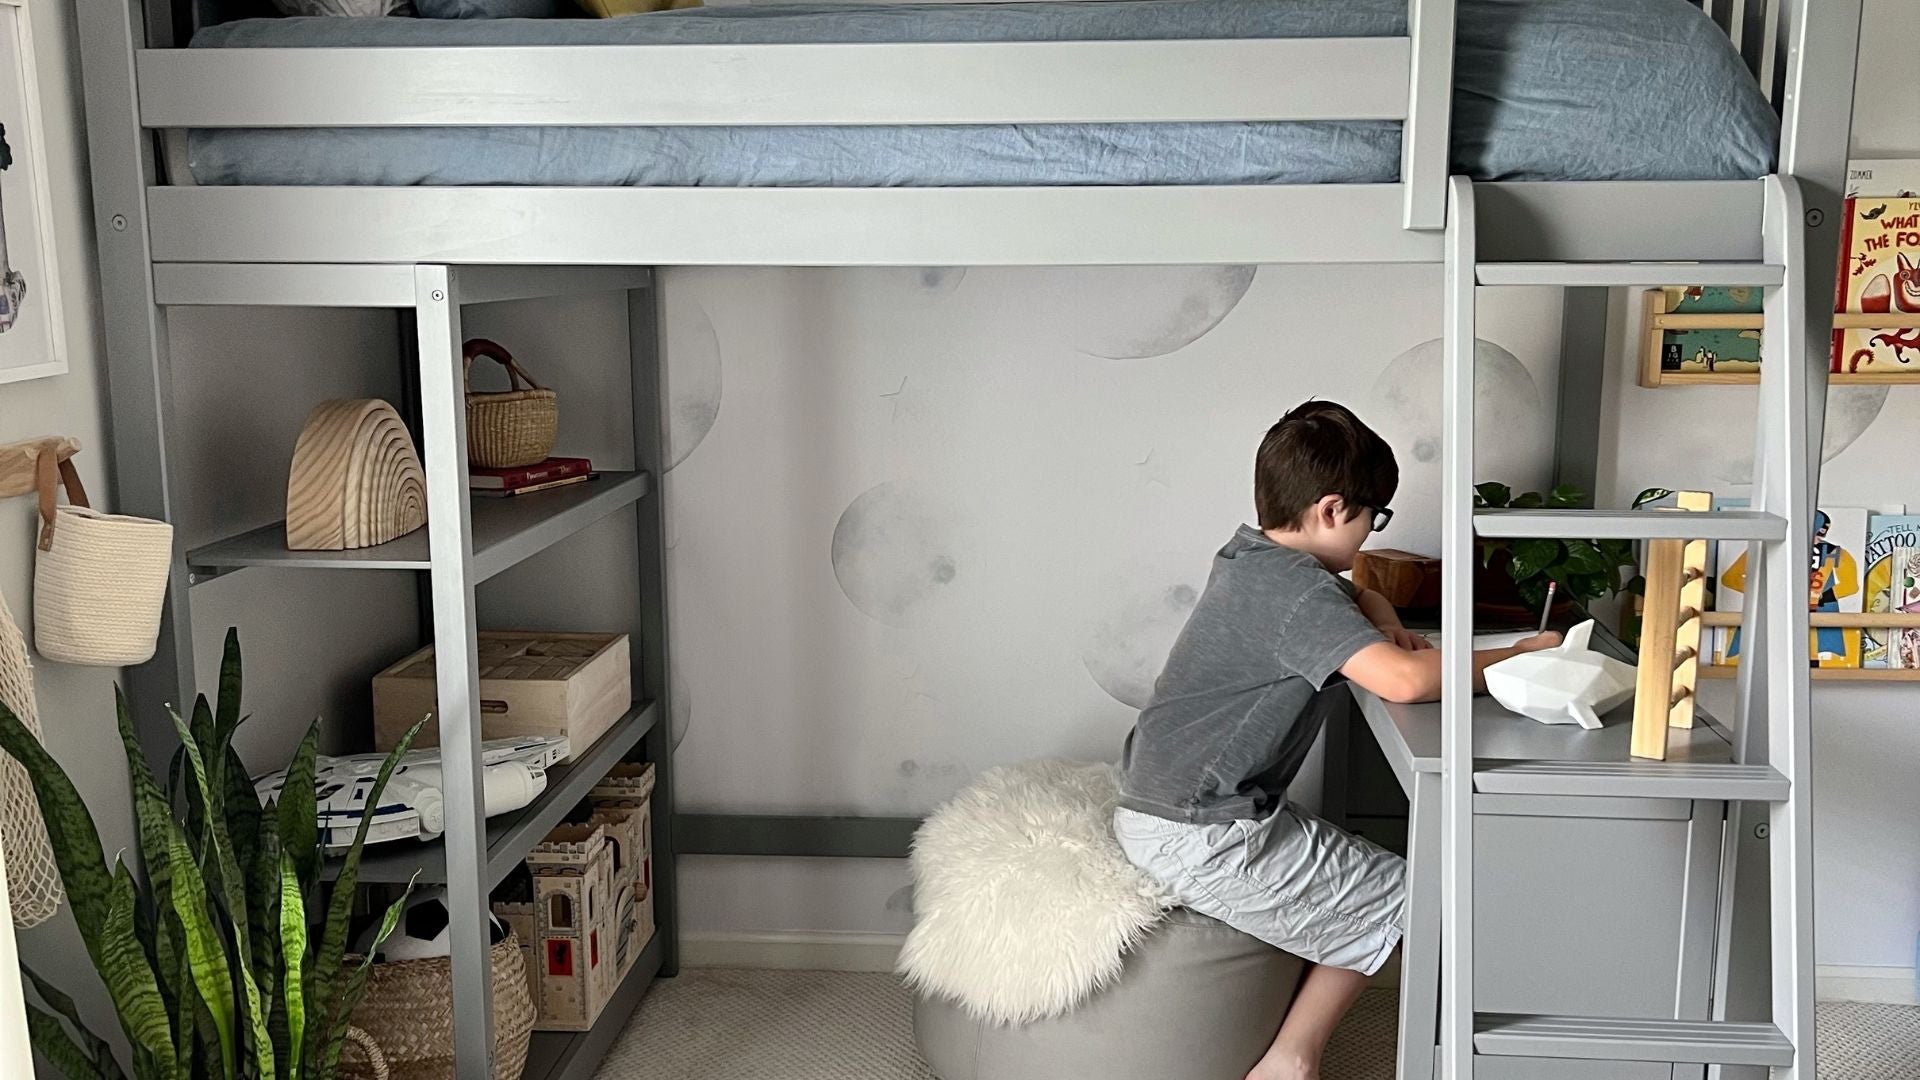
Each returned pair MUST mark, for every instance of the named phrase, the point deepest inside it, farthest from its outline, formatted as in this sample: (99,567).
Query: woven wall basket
(99,579)
(511,428)
(408,1011)
(356,479)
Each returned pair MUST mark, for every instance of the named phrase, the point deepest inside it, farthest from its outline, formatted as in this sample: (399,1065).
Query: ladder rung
(1586,1038)
(1629,273)
(1631,524)
(1633,779)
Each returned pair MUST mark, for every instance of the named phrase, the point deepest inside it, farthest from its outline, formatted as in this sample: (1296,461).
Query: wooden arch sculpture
(356,479)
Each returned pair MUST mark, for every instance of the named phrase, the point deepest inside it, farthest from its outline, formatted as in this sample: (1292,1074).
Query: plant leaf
(293,946)
(357,981)
(227,718)
(231,886)
(91,890)
(1492,495)
(1652,494)
(53,1043)
(1585,558)
(206,951)
(1532,500)
(149,806)
(98,1051)
(327,962)
(129,977)
(263,908)
(298,815)
(1566,497)
(1530,558)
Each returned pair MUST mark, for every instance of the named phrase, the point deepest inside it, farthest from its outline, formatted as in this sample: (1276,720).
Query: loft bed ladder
(1777,530)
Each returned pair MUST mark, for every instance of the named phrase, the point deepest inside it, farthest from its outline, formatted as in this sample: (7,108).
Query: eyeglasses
(1381,518)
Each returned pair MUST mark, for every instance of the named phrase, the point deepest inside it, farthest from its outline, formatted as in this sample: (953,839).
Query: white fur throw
(1024,903)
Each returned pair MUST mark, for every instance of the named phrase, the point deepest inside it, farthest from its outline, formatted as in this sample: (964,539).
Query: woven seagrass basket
(508,428)
(408,1011)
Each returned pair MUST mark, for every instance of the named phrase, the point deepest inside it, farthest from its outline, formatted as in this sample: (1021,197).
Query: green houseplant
(1520,570)
(207,960)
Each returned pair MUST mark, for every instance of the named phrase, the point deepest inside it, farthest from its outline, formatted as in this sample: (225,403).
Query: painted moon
(692,375)
(680,705)
(1850,411)
(1142,607)
(893,555)
(1133,313)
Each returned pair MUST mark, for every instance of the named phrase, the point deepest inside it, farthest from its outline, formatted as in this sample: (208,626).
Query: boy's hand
(1406,639)
(1546,639)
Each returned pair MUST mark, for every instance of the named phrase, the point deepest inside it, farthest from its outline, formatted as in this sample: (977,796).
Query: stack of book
(552,473)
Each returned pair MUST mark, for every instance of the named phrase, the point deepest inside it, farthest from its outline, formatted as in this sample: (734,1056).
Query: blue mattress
(1544,90)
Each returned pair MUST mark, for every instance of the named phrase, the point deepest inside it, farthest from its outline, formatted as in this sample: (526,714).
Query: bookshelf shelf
(1888,675)
(1658,321)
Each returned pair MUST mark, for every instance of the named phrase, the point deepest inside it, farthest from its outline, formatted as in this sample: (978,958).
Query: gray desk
(1583,905)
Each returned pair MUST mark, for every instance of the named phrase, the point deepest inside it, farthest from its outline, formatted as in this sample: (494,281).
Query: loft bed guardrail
(1405,79)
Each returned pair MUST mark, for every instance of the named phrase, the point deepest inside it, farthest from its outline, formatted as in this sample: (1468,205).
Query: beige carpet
(712,1024)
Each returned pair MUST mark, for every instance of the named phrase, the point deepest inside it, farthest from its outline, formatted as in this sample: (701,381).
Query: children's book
(1879,274)
(1702,351)
(1891,571)
(1834,584)
(1903,648)
(1884,178)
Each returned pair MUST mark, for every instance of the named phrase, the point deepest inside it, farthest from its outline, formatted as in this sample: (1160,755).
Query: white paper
(1568,684)
(1503,640)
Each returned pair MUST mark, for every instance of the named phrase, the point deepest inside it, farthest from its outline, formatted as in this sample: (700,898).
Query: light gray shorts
(1292,880)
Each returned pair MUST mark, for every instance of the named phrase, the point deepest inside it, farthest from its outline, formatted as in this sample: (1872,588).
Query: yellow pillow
(607,9)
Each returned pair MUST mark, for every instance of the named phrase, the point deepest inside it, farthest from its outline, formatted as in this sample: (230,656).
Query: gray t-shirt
(1235,710)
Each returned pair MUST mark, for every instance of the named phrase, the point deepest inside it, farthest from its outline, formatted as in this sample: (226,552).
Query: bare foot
(1281,1064)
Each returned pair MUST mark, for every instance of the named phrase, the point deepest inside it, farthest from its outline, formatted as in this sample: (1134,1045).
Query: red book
(554,468)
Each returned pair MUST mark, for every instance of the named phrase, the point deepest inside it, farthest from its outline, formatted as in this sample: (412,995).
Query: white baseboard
(1886,985)
(791,950)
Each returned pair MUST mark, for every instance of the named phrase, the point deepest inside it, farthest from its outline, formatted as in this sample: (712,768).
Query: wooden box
(1407,580)
(543,683)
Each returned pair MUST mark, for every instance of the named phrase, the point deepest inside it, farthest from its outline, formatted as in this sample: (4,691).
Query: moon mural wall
(1140,609)
(1141,312)
(893,555)
(692,378)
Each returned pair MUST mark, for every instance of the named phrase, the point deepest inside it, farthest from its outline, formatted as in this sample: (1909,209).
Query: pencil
(1546,609)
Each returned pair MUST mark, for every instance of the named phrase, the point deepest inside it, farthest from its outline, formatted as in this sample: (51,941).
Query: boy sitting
(1203,805)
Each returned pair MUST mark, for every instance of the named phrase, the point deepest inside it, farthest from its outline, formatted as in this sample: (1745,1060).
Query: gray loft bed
(187,145)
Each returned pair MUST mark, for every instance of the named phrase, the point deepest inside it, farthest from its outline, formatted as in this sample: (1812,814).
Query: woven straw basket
(99,579)
(408,1011)
(511,428)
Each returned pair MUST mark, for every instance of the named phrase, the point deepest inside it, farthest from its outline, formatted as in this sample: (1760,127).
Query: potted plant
(206,956)
(1510,581)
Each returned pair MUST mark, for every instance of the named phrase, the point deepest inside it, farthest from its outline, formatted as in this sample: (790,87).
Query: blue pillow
(488,9)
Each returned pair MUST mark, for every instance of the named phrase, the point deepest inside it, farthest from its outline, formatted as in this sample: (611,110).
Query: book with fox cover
(1879,274)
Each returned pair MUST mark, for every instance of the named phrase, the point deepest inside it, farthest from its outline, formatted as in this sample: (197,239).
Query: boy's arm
(1380,612)
(1406,675)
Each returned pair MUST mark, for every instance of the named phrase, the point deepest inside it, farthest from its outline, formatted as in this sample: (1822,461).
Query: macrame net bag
(33,880)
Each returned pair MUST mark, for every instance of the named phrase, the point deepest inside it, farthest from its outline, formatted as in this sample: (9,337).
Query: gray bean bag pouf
(1196,1000)
(1039,952)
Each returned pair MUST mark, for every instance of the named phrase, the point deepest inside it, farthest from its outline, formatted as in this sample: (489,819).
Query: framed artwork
(32,332)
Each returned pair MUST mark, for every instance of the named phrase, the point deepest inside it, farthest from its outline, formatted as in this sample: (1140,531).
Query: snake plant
(206,955)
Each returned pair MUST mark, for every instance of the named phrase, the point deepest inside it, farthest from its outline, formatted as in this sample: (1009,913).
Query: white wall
(76,704)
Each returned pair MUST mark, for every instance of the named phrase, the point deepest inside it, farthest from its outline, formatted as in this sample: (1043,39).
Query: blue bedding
(1543,90)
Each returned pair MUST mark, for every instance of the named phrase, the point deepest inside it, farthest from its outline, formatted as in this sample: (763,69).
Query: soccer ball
(421,933)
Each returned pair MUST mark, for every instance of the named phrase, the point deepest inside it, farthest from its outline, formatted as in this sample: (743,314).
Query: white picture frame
(32,326)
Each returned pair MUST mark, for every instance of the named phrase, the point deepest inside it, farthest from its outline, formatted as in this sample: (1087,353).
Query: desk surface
(1409,735)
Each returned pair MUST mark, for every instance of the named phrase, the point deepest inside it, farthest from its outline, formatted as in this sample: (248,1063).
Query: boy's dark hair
(1320,448)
